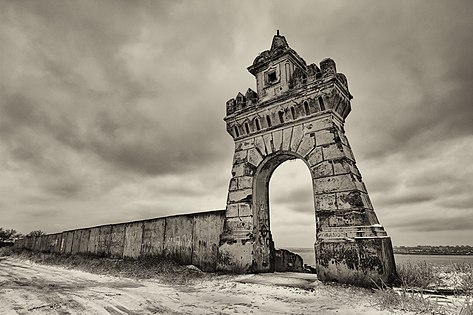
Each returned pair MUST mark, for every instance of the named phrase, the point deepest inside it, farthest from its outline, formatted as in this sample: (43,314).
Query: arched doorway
(292,216)
(264,258)
(351,246)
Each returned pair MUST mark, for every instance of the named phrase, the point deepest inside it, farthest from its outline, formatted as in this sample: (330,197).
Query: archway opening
(292,213)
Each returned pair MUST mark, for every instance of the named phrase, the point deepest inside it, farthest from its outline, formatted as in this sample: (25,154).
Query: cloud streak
(112,111)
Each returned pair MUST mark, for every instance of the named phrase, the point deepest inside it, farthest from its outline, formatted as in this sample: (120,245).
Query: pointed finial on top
(277,32)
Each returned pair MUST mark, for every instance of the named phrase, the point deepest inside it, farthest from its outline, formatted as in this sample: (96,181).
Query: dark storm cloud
(409,198)
(419,54)
(438,223)
(113,110)
(461,201)
(105,119)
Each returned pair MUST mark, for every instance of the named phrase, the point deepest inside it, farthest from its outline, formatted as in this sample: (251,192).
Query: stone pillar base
(235,256)
(363,261)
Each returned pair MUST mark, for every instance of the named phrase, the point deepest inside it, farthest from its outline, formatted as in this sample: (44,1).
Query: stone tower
(298,112)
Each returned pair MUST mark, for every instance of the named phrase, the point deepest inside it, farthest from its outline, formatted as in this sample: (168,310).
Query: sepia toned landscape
(267,157)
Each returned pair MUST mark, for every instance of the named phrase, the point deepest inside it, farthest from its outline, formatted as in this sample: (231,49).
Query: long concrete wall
(189,239)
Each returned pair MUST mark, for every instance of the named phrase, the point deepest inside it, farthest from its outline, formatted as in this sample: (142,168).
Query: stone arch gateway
(305,108)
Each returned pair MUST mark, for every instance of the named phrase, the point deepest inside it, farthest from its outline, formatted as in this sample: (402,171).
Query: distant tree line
(8,236)
(434,250)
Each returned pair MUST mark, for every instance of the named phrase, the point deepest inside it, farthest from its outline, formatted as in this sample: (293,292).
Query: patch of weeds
(154,267)
(465,277)
(418,275)
(405,300)
(418,279)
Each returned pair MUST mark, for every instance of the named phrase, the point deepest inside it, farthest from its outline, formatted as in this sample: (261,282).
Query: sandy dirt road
(27,288)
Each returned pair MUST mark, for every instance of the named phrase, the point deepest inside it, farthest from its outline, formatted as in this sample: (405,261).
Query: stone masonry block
(233,184)
(235,257)
(286,139)
(335,183)
(232,210)
(367,201)
(277,140)
(371,217)
(341,166)
(240,223)
(268,139)
(254,157)
(344,166)
(333,151)
(245,144)
(359,184)
(245,182)
(323,123)
(325,202)
(343,138)
(239,156)
(354,169)
(239,169)
(348,152)
(245,210)
(325,136)
(242,169)
(259,143)
(350,218)
(350,200)
(296,137)
(308,128)
(315,156)
(323,169)
(239,195)
(307,145)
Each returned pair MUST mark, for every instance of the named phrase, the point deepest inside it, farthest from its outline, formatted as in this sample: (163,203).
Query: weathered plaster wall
(205,251)
(133,240)
(189,239)
(153,237)
(178,239)
(93,240)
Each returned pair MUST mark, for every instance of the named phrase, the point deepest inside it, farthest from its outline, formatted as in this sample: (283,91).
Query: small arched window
(306,108)
(321,103)
(293,113)
(247,128)
(268,121)
(281,116)
(235,131)
(258,126)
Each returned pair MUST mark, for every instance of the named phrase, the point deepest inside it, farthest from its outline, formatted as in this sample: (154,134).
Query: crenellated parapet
(288,90)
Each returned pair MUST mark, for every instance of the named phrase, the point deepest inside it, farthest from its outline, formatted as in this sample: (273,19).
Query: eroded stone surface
(298,111)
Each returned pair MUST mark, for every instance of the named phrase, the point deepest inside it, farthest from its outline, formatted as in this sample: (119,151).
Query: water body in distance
(308,256)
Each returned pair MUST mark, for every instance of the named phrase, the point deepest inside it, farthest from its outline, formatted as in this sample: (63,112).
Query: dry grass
(160,268)
(404,300)
(418,275)
(463,279)
(415,278)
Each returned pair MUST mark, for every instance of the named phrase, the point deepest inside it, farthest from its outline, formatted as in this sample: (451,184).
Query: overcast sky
(113,110)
